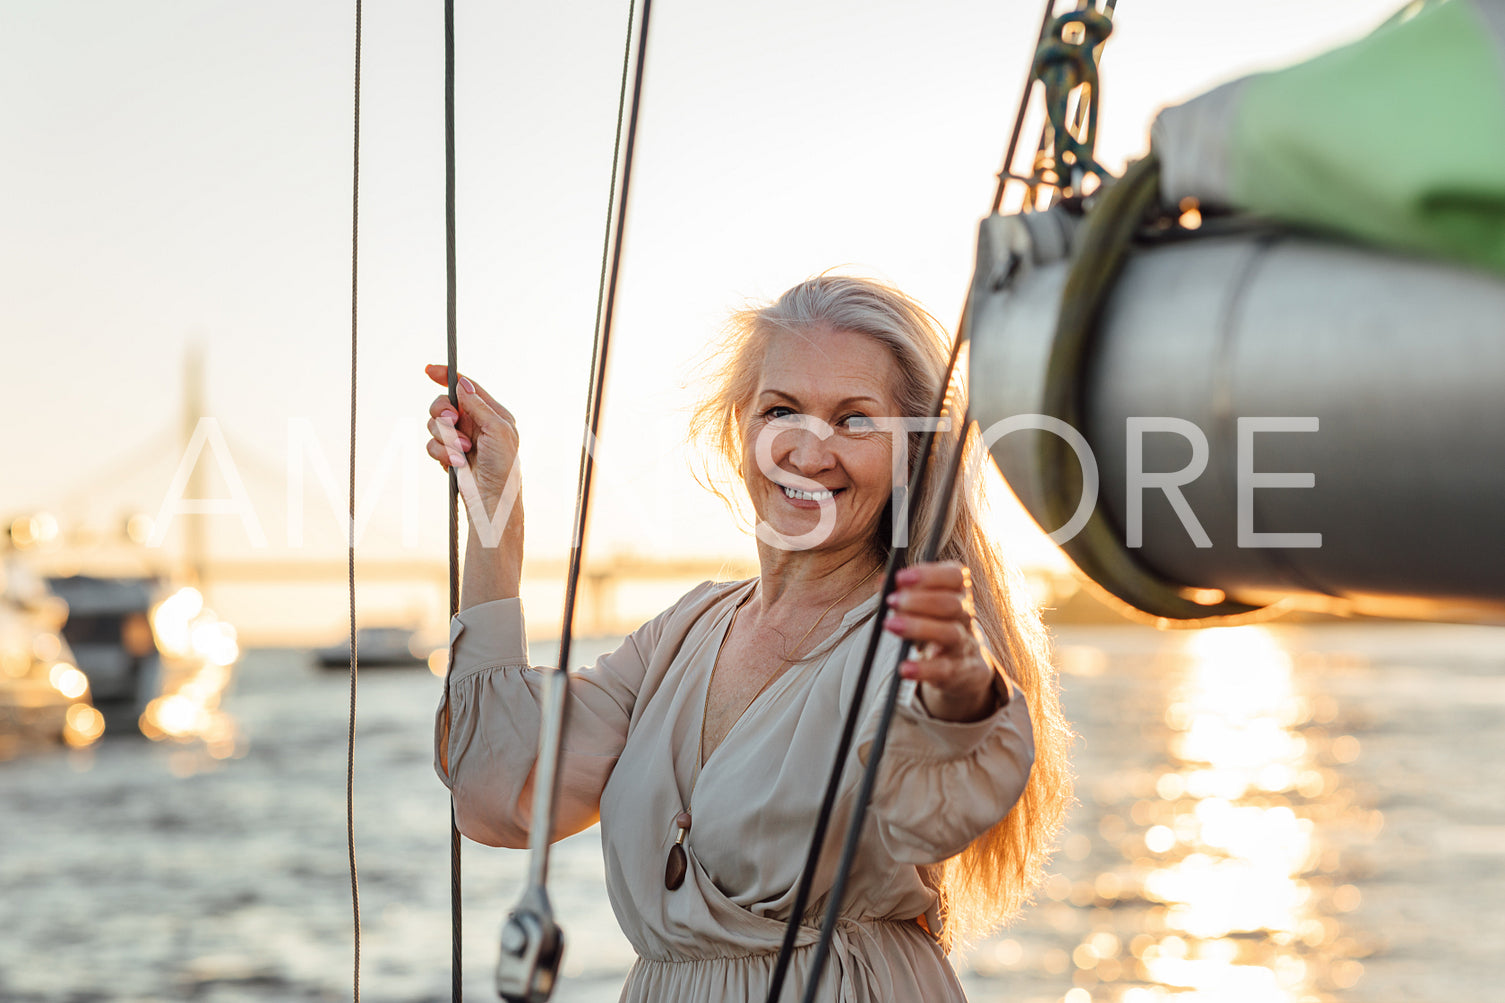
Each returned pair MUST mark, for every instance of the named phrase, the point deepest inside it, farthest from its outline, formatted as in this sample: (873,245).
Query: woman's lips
(808,499)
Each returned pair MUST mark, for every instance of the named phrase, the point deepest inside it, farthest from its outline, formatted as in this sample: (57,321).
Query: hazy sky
(180,171)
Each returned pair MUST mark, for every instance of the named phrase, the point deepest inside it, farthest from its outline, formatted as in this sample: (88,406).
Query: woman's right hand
(480,442)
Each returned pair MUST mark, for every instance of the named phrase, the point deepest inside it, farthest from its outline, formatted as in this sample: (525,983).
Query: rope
(355,232)
(456,967)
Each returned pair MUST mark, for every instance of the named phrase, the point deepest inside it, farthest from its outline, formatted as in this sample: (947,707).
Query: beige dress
(630,757)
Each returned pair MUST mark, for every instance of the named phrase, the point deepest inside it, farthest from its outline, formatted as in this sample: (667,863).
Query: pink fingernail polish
(470,387)
(456,459)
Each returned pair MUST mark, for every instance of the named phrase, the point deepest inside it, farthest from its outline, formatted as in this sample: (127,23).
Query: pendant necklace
(678,864)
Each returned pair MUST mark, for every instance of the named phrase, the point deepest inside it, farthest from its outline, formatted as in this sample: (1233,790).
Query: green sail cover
(1397,139)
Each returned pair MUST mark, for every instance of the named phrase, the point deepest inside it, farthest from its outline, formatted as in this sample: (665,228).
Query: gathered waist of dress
(872,961)
(845,926)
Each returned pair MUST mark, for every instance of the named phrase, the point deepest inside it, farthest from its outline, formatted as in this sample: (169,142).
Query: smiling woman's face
(809,439)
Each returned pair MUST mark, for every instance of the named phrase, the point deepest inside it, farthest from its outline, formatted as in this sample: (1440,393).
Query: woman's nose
(809,452)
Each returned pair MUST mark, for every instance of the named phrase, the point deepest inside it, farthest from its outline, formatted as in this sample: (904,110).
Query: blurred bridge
(600,580)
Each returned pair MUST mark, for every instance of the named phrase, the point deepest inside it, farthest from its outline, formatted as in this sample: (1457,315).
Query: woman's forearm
(491,572)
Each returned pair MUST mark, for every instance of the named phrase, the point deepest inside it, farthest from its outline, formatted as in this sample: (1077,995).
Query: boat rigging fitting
(532,944)
(1066,64)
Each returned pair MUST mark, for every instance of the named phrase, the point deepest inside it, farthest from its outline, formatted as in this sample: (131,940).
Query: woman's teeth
(808,495)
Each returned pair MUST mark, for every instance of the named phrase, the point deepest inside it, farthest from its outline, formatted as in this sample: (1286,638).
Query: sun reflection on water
(1218,848)
(1230,854)
(198,652)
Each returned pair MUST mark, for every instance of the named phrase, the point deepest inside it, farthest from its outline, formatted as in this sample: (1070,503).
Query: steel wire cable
(355,233)
(605,302)
(456,988)
(616,222)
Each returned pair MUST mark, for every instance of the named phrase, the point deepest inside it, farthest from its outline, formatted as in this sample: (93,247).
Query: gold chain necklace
(678,863)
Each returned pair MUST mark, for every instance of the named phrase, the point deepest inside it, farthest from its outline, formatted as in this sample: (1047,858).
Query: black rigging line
(608,267)
(455,975)
(896,560)
(891,695)
(355,233)
(605,312)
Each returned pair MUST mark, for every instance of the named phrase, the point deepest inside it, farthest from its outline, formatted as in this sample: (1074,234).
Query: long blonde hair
(989,881)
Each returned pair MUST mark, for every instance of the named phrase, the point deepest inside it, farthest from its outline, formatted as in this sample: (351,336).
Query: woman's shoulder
(700,602)
(709,595)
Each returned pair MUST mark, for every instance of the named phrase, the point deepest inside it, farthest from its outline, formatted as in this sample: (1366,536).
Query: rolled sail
(1224,368)
(1304,401)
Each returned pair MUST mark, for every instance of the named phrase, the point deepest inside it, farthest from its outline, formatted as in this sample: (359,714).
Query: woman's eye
(859,423)
(780,413)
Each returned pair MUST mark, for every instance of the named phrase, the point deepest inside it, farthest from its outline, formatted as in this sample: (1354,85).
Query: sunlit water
(1266,815)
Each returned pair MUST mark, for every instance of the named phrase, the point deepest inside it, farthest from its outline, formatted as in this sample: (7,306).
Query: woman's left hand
(931,607)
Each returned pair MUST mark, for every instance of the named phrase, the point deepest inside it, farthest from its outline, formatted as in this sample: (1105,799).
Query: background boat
(44,698)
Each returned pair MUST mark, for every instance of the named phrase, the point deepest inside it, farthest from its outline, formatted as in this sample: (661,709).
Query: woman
(708,734)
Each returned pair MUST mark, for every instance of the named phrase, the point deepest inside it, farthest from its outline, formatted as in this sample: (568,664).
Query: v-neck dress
(629,760)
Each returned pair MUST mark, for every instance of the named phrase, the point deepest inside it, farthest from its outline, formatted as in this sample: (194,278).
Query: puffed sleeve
(944,783)
(486,744)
